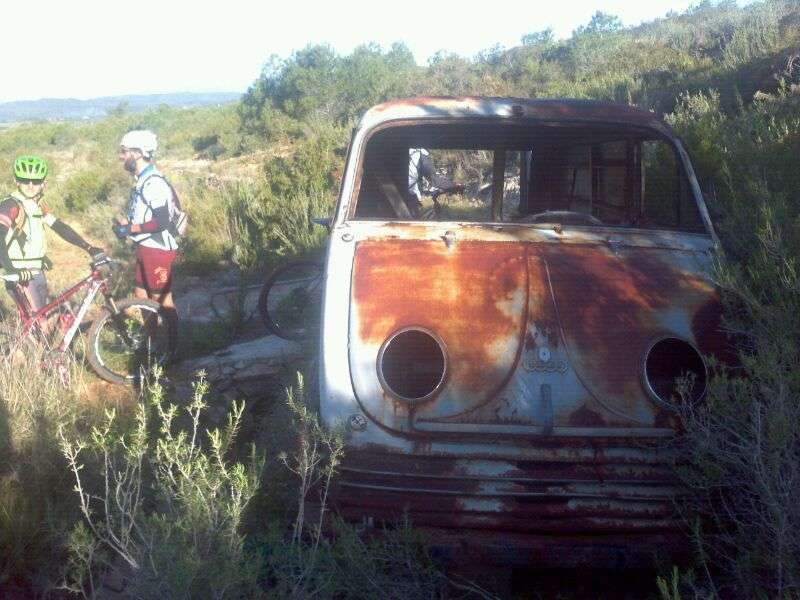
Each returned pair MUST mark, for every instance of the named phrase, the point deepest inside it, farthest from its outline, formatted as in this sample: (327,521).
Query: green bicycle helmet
(30,167)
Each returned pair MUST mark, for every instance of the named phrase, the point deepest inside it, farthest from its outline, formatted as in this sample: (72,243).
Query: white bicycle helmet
(141,139)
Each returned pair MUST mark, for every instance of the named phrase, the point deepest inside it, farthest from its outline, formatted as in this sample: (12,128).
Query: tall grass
(742,447)
(36,504)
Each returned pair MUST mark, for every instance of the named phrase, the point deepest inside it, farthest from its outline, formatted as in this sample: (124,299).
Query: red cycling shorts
(154,269)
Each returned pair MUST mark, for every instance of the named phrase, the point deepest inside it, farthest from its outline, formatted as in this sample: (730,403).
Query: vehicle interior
(593,175)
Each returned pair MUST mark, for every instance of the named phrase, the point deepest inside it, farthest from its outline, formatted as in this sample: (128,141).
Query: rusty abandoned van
(507,367)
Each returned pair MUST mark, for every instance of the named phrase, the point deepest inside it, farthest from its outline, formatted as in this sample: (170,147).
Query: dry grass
(36,502)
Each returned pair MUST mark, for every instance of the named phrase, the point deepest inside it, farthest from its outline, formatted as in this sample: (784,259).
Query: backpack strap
(176,205)
(175,199)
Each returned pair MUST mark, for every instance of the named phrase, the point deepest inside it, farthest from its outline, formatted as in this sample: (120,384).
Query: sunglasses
(25,181)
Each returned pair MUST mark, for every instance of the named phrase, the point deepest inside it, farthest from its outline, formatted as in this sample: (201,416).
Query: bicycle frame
(95,282)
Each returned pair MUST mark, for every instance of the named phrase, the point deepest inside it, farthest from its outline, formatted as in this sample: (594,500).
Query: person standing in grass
(148,223)
(421,169)
(23,216)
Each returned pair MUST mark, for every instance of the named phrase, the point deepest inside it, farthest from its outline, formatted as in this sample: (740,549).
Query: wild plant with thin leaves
(327,558)
(167,516)
(742,446)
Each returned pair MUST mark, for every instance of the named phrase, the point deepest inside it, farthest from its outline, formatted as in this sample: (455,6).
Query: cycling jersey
(24,239)
(150,206)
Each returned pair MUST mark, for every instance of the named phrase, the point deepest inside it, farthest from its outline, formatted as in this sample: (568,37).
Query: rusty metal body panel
(543,441)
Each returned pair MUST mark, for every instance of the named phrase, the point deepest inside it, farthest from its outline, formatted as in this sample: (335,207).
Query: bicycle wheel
(125,343)
(290,300)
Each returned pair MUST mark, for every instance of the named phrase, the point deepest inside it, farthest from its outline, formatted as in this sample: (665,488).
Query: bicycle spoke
(291,300)
(131,340)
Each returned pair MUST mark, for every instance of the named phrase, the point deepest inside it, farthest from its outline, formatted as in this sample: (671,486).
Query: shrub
(345,563)
(36,505)
(743,445)
(262,227)
(316,83)
(86,188)
(204,142)
(167,519)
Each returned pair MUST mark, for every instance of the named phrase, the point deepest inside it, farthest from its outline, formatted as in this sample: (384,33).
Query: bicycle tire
(121,352)
(290,299)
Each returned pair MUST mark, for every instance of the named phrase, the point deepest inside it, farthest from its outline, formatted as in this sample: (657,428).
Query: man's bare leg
(170,312)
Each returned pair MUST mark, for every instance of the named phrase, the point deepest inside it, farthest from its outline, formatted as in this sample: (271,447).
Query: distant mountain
(69,109)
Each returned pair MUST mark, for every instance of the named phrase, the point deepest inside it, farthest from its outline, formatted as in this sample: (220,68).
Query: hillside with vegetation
(72,109)
(253,175)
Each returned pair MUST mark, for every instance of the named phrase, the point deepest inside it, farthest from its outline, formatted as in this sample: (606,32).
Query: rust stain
(585,417)
(559,110)
(459,293)
(709,333)
(611,308)
(584,498)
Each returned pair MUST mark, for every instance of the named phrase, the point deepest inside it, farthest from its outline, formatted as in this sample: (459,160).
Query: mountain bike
(435,212)
(291,299)
(126,338)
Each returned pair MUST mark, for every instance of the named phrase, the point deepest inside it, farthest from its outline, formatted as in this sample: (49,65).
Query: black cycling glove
(121,231)
(25,275)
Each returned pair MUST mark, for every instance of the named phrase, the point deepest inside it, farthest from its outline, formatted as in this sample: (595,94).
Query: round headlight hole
(671,363)
(411,364)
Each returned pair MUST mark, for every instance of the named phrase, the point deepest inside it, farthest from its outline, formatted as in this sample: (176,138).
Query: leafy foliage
(168,516)
(91,186)
(717,73)
(316,83)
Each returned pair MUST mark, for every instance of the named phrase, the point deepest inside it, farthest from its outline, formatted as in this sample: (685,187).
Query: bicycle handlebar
(456,188)
(97,261)
(101,259)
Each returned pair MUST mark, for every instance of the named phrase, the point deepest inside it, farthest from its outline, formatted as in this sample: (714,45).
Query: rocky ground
(237,370)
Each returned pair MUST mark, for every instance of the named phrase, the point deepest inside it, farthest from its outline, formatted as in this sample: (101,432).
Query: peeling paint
(542,443)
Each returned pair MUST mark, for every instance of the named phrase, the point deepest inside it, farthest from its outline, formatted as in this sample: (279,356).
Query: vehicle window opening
(572,174)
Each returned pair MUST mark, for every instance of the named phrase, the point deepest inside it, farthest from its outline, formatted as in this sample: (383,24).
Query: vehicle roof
(466,107)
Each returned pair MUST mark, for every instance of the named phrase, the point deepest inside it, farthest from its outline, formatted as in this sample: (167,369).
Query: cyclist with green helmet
(23,246)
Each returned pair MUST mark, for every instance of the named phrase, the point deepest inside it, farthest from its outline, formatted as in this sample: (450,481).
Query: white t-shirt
(414,178)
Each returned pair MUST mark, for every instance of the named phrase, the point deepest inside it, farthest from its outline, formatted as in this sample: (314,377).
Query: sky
(92,48)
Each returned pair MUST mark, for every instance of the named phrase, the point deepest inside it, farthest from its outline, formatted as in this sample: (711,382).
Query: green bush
(263,227)
(392,563)
(742,447)
(204,142)
(260,220)
(169,526)
(316,83)
(85,189)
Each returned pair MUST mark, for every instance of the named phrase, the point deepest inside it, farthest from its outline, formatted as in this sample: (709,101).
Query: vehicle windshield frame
(656,131)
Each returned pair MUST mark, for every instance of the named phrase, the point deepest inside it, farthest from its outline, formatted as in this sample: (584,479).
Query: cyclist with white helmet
(23,245)
(148,221)
(421,170)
